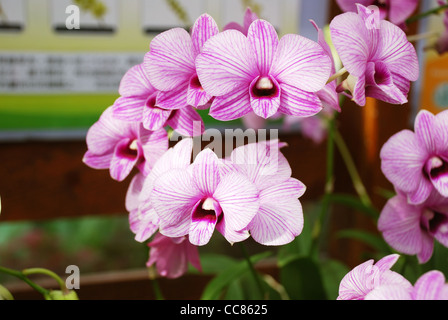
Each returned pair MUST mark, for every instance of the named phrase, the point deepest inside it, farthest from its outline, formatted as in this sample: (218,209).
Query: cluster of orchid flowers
(178,199)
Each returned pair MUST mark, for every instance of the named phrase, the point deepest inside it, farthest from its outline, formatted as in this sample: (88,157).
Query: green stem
(329,187)
(252,269)
(49,273)
(349,163)
(426,14)
(156,288)
(24,278)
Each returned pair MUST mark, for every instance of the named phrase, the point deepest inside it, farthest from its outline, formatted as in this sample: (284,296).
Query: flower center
(434,222)
(151,102)
(129,150)
(264,87)
(435,167)
(206,210)
(195,83)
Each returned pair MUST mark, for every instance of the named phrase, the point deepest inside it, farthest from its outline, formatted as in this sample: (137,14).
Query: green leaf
(354,202)
(332,273)
(302,280)
(368,238)
(215,287)
(212,263)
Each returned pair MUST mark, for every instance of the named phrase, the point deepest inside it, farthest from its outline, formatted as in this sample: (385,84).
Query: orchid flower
(417,162)
(261,73)
(381,61)
(170,64)
(280,218)
(430,286)
(396,11)
(120,146)
(249,17)
(367,277)
(195,200)
(138,102)
(143,219)
(172,255)
(412,229)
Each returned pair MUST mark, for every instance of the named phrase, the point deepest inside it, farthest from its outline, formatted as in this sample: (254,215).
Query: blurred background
(55,81)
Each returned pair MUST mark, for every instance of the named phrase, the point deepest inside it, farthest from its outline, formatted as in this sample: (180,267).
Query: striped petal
(170,60)
(264,41)
(301,63)
(186,121)
(206,171)
(135,83)
(299,103)
(203,29)
(231,106)
(226,63)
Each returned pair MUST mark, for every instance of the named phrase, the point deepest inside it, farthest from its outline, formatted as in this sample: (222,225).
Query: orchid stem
(348,160)
(49,273)
(252,269)
(341,72)
(426,14)
(24,278)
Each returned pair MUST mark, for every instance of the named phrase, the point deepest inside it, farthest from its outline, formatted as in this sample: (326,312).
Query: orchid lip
(434,167)
(434,222)
(264,87)
(207,209)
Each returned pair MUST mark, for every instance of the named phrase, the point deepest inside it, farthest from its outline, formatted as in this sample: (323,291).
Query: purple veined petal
(265,93)
(402,161)
(352,41)
(329,97)
(431,286)
(154,144)
(173,99)
(291,188)
(203,29)
(397,52)
(359,90)
(323,43)
(97,161)
(234,192)
(357,283)
(203,223)
(129,108)
(186,121)
(170,60)
(172,204)
(232,236)
(262,163)
(427,249)
(196,95)
(436,170)
(350,5)
(400,83)
(264,41)
(423,126)
(135,83)
(155,118)
(125,157)
(206,172)
(389,292)
(299,103)
(399,11)
(422,192)
(441,133)
(226,63)
(301,63)
(132,194)
(234,26)
(277,223)
(231,106)
(104,134)
(380,84)
(399,223)
(387,262)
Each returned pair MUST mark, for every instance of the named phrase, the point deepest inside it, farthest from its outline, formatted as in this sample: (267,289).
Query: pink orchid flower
(417,162)
(120,146)
(143,219)
(396,11)
(412,229)
(203,199)
(381,61)
(367,277)
(280,217)
(430,286)
(170,64)
(172,255)
(261,73)
(249,17)
(138,102)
